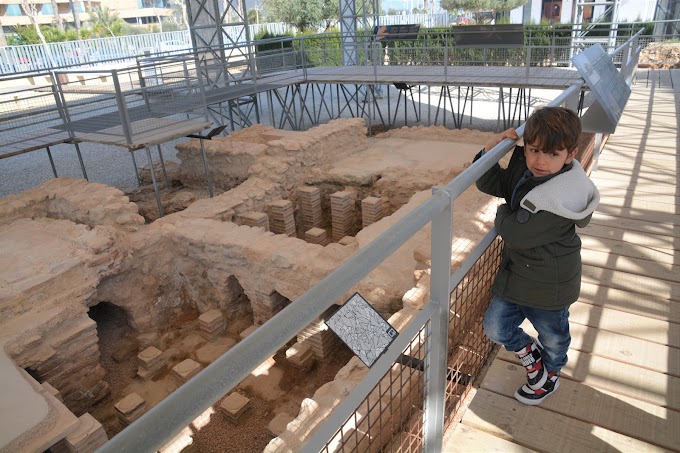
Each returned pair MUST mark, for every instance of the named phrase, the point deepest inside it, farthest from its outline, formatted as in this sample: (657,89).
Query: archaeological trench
(105,311)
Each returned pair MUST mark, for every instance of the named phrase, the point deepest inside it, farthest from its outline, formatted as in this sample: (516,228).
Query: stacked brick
(130,409)
(316,236)
(233,406)
(267,305)
(151,363)
(282,217)
(211,324)
(321,340)
(311,215)
(371,211)
(88,436)
(255,219)
(185,370)
(342,214)
(301,356)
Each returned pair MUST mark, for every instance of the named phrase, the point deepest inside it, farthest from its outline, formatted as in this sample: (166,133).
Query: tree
(300,13)
(105,19)
(57,16)
(477,7)
(75,6)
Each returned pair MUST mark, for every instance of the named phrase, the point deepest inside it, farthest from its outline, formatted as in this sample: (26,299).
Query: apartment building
(132,11)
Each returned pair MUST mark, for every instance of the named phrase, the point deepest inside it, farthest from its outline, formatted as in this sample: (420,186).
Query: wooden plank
(640,267)
(630,249)
(647,329)
(635,177)
(610,192)
(662,289)
(634,213)
(667,189)
(670,244)
(545,430)
(466,439)
(637,419)
(643,226)
(647,305)
(662,208)
(621,378)
(622,348)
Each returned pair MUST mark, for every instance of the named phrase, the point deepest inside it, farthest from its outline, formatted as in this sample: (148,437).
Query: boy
(547,194)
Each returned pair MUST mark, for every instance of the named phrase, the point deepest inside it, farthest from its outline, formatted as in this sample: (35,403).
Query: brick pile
(254,219)
(185,370)
(322,341)
(233,406)
(88,436)
(282,217)
(342,214)
(151,363)
(301,356)
(211,324)
(371,211)
(316,236)
(267,305)
(310,207)
(130,409)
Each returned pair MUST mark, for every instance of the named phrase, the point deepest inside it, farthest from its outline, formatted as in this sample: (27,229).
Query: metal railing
(425,335)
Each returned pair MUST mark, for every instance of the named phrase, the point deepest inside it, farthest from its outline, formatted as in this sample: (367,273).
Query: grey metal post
(165,174)
(155,185)
(122,108)
(205,166)
(49,154)
(134,164)
(446,63)
(80,159)
(435,361)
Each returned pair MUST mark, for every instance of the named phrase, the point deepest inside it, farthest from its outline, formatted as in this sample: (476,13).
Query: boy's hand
(496,139)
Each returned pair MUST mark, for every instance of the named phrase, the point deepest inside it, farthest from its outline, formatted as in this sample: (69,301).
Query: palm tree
(104,18)
(57,16)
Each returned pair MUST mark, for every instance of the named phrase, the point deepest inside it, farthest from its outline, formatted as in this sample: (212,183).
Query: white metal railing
(180,408)
(37,57)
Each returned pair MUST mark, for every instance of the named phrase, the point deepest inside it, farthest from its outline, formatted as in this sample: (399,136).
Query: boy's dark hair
(553,128)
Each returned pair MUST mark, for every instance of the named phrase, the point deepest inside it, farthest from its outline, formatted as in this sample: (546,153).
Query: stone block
(234,405)
(88,436)
(248,331)
(130,408)
(149,357)
(185,370)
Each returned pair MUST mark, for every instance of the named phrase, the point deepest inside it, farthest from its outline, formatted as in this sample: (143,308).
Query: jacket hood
(571,195)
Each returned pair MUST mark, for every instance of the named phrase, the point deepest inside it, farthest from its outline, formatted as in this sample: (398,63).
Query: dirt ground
(279,389)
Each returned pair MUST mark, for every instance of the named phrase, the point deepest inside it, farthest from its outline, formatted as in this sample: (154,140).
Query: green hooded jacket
(541,264)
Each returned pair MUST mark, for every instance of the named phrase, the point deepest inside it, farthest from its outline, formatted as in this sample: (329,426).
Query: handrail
(151,431)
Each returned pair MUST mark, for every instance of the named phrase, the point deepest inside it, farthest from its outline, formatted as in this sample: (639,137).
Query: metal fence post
(438,332)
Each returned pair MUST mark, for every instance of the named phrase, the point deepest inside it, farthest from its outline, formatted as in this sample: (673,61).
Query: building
(140,12)
(563,11)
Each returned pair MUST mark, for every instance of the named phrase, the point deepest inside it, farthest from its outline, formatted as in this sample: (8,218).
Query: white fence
(37,57)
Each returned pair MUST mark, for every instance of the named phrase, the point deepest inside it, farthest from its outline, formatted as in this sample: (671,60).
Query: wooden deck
(620,390)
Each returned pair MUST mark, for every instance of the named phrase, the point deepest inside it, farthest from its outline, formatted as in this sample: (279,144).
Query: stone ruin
(291,207)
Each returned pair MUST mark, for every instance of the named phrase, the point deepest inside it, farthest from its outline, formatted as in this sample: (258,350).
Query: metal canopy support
(223,48)
(607,11)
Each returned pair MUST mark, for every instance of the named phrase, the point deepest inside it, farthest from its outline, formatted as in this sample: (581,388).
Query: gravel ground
(113,165)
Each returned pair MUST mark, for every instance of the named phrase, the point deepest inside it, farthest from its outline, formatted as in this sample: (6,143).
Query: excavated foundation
(110,311)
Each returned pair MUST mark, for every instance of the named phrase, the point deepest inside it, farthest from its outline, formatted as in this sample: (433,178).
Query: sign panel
(362,329)
(605,81)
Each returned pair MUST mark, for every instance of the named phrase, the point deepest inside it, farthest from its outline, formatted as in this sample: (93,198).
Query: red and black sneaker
(532,397)
(530,356)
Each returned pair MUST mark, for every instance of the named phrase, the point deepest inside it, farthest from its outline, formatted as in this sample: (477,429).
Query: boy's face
(544,162)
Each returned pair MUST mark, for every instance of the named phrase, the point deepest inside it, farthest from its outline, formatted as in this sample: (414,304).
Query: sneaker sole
(537,401)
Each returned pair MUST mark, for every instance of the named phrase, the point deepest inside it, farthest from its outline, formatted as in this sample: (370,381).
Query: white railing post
(438,332)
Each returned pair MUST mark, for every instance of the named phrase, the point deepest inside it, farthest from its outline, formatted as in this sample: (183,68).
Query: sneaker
(530,356)
(532,397)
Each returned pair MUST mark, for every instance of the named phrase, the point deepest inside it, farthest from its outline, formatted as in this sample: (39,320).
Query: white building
(562,11)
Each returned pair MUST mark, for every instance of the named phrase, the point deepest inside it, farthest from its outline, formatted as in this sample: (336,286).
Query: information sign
(362,328)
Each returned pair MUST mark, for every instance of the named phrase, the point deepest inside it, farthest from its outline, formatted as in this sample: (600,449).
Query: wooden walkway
(620,391)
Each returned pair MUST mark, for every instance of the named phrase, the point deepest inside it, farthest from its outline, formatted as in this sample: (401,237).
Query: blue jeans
(501,325)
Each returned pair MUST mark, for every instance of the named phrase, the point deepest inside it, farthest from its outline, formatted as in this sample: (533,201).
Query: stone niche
(69,245)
